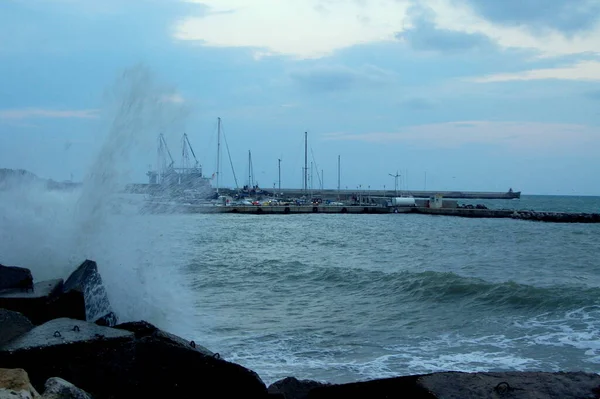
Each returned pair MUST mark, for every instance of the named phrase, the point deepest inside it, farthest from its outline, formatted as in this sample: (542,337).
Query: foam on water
(52,232)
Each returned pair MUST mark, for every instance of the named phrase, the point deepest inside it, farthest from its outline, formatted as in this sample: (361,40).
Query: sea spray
(51,232)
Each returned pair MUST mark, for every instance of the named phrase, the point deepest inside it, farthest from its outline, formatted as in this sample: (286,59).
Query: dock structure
(552,217)
(305,209)
(348,194)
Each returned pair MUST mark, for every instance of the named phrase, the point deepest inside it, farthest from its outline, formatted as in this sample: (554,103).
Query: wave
(52,232)
(426,287)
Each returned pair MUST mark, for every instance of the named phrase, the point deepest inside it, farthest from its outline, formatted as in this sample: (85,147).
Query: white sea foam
(52,232)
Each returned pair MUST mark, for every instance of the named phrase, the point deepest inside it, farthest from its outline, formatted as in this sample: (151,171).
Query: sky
(450,94)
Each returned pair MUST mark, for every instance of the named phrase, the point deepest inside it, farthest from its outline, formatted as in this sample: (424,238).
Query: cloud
(174,98)
(330,78)
(568,16)
(515,135)
(29,113)
(302,29)
(584,71)
(424,35)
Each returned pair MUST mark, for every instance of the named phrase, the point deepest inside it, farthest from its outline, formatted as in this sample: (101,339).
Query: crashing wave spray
(51,232)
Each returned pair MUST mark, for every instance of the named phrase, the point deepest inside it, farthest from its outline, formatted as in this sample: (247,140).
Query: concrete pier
(304,209)
(553,217)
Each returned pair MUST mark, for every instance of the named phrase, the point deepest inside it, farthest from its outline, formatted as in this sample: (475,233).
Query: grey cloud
(568,16)
(331,78)
(425,36)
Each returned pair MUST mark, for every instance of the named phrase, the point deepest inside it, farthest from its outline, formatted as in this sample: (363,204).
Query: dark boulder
(398,387)
(117,363)
(57,388)
(292,388)
(143,329)
(512,385)
(35,304)
(13,277)
(12,325)
(85,297)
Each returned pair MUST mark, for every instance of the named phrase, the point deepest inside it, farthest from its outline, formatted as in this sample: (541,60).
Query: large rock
(143,329)
(292,388)
(35,305)
(512,385)
(57,388)
(14,384)
(116,363)
(12,277)
(12,325)
(399,387)
(85,297)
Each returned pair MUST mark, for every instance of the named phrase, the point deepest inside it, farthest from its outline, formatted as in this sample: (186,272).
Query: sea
(328,297)
(333,297)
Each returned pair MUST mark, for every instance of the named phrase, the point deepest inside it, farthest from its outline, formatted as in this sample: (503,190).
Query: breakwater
(550,217)
(365,193)
(62,337)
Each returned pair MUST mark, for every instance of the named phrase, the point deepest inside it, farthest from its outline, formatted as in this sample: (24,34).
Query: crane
(188,146)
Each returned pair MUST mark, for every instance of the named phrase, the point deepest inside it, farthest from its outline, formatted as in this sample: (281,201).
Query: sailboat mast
(218,150)
(249,170)
(305,161)
(279,173)
(338,174)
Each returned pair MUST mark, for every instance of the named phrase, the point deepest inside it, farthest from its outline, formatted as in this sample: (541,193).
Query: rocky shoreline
(61,337)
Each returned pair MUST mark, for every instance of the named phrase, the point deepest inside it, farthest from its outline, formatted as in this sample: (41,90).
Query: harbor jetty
(347,194)
(62,338)
(319,208)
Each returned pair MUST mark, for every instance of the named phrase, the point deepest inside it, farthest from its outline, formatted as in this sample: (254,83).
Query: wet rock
(292,388)
(13,277)
(14,384)
(117,363)
(85,286)
(399,387)
(12,325)
(143,329)
(83,353)
(35,305)
(57,388)
(512,385)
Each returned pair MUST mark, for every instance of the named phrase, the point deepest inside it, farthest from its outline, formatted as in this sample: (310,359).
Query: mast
(305,161)
(218,150)
(250,185)
(338,176)
(279,173)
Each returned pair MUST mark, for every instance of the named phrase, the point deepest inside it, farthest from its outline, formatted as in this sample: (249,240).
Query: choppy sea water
(337,297)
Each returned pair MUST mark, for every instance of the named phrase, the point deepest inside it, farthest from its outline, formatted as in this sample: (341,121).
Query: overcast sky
(475,94)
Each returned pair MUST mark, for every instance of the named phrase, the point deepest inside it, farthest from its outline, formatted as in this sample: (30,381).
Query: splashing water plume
(52,232)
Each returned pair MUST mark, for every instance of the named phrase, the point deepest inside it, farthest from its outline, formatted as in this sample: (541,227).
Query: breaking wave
(53,231)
